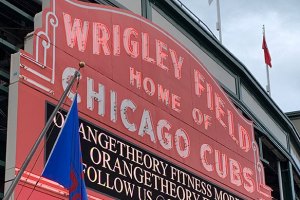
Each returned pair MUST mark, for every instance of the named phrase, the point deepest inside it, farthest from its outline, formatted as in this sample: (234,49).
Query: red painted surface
(165,100)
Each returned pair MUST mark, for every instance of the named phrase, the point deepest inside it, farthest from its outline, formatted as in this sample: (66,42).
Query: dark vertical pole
(287,180)
(280,180)
(292,181)
(146,9)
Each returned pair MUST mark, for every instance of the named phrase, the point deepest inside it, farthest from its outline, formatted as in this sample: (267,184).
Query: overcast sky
(242,23)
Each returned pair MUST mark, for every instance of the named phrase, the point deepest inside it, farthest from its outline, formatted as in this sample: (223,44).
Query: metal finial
(81,64)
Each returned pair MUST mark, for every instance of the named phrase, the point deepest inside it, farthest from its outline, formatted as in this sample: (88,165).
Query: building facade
(276,136)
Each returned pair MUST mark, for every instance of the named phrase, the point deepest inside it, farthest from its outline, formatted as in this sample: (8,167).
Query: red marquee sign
(146,88)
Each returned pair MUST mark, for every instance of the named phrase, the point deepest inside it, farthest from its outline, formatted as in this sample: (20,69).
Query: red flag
(266,52)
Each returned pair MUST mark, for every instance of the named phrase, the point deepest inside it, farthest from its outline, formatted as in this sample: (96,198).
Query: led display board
(123,170)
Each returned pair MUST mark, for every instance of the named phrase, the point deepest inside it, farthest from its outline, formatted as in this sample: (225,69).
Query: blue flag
(64,165)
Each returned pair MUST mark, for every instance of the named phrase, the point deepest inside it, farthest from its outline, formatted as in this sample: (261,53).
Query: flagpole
(268,79)
(218,24)
(268,87)
(42,135)
(219,21)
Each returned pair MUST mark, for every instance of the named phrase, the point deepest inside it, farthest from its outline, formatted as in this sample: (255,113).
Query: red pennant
(266,52)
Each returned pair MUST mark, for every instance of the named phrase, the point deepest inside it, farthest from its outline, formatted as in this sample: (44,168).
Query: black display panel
(122,170)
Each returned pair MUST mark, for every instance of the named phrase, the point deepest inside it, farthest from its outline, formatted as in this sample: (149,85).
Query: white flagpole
(218,24)
(267,68)
(219,21)
(268,79)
